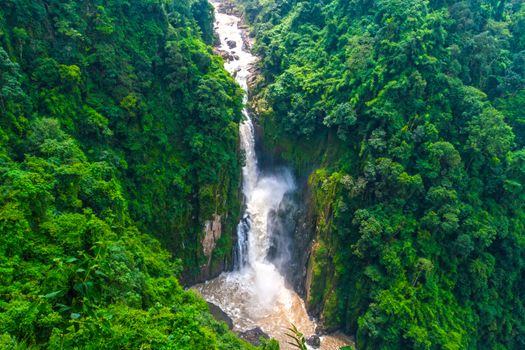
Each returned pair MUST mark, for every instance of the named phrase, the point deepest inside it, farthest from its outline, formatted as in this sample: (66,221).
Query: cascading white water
(255,294)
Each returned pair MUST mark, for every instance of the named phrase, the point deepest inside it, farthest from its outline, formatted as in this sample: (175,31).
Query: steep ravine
(408,173)
(259,293)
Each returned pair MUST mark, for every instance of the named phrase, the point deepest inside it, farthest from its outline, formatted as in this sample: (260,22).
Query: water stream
(255,294)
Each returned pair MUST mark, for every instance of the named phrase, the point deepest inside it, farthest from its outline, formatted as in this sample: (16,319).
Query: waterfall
(255,294)
(241,251)
(263,193)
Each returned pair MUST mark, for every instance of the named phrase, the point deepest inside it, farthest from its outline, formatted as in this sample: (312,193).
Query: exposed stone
(231,44)
(319,330)
(229,8)
(343,338)
(247,42)
(253,336)
(212,233)
(308,273)
(252,80)
(236,72)
(227,56)
(314,341)
(220,315)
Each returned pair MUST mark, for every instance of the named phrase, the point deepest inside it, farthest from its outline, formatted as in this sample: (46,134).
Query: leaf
(100,273)
(75,316)
(63,307)
(297,337)
(52,294)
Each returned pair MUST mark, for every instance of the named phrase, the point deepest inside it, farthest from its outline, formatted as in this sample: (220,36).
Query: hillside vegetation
(117,125)
(413,112)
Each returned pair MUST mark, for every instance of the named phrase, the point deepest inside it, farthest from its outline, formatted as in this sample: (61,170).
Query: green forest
(119,141)
(409,117)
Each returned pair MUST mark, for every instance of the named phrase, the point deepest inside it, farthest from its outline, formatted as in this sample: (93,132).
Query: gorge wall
(155,105)
(408,136)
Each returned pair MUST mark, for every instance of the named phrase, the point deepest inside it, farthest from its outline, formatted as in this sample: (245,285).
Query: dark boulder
(314,341)
(220,315)
(253,336)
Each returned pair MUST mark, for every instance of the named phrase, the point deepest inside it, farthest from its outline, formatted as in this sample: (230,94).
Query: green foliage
(203,12)
(101,104)
(410,115)
(75,271)
(269,344)
(136,88)
(296,337)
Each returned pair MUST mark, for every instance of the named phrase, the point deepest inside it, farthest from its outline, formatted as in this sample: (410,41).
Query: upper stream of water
(256,294)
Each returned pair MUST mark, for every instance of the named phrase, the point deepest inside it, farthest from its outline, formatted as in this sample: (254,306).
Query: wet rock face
(220,315)
(231,44)
(282,223)
(226,55)
(213,231)
(293,227)
(253,336)
(314,341)
(295,230)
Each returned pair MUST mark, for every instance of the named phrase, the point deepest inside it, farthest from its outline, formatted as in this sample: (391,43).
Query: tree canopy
(118,128)
(411,113)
